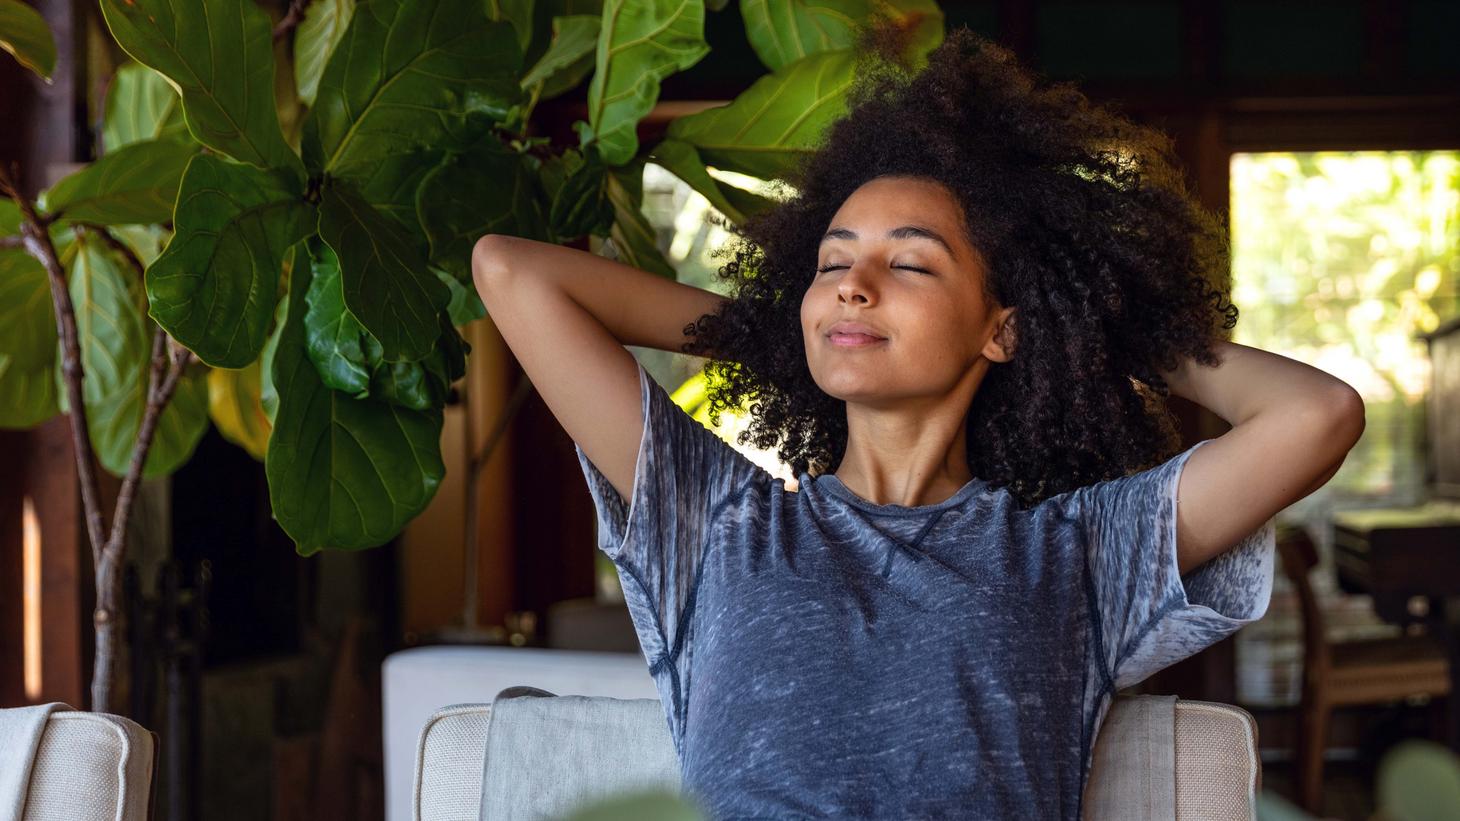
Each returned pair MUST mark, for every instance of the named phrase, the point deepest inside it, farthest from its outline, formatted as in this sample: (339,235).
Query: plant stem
(37,242)
(168,363)
(292,18)
(116,245)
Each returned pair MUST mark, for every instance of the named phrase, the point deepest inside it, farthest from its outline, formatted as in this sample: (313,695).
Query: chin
(849,383)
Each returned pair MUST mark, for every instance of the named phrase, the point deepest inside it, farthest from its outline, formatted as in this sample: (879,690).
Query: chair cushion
(1197,757)
(546,754)
(91,767)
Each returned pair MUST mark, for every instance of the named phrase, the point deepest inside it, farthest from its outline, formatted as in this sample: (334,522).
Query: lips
(848,334)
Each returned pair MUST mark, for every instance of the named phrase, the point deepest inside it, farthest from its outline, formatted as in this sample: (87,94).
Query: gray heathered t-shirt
(819,655)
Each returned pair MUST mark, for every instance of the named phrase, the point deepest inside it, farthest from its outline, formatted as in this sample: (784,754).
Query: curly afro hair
(1088,231)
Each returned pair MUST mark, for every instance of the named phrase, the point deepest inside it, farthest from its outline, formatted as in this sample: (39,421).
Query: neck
(911,455)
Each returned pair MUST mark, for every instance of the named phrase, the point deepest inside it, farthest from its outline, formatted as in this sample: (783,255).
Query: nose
(855,286)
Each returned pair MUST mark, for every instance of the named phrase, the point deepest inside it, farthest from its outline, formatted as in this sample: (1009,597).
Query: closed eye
(826,268)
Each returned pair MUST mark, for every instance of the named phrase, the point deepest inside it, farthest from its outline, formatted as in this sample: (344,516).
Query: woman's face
(900,263)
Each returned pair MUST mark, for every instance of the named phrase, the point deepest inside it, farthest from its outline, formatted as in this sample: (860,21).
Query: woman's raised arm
(1292,426)
(566,314)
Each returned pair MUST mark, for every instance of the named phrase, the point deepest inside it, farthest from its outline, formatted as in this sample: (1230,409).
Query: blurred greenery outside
(1339,260)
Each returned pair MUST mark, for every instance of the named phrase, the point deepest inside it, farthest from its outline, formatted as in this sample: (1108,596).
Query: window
(1339,259)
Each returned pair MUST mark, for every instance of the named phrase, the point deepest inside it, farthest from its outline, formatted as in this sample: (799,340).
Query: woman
(956,333)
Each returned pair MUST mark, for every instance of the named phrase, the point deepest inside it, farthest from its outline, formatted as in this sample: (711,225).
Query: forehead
(900,208)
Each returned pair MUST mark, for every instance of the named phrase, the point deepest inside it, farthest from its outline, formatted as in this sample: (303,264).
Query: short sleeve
(1149,616)
(683,474)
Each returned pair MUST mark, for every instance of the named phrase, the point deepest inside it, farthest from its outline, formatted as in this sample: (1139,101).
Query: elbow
(1336,421)
(489,262)
(1348,407)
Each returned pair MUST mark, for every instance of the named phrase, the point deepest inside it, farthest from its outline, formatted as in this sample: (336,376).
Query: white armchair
(57,762)
(1157,757)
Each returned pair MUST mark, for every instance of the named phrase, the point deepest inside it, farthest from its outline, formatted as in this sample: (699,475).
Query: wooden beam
(13,444)
(66,587)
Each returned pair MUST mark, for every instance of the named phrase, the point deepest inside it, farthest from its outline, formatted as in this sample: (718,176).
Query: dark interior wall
(1154,48)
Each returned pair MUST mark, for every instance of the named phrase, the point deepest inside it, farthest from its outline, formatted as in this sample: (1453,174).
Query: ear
(1000,347)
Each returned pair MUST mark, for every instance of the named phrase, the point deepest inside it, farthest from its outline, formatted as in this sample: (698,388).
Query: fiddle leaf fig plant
(285,201)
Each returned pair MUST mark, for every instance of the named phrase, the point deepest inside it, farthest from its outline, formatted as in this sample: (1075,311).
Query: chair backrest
(92,767)
(1299,557)
(1157,757)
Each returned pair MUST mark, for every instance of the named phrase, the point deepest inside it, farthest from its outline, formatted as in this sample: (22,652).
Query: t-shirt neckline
(836,487)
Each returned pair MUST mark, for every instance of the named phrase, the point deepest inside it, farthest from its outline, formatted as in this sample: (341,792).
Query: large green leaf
(215,286)
(146,241)
(466,304)
(386,283)
(116,347)
(343,473)
(9,218)
(520,13)
(410,74)
(784,31)
(24,33)
(348,358)
(324,25)
(486,191)
(335,339)
(425,384)
(27,342)
(632,234)
(141,105)
(236,410)
(268,396)
(290,110)
(136,183)
(569,58)
(27,312)
(111,328)
(640,43)
(219,53)
(581,205)
(182,424)
(682,160)
(775,122)
(548,175)
(27,395)
(391,186)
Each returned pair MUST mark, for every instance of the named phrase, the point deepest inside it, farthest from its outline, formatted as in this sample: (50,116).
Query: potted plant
(283,205)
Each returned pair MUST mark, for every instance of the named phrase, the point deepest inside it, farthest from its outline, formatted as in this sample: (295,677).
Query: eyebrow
(900,232)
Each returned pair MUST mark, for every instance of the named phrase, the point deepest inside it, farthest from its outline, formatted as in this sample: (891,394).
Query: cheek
(944,334)
(808,315)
